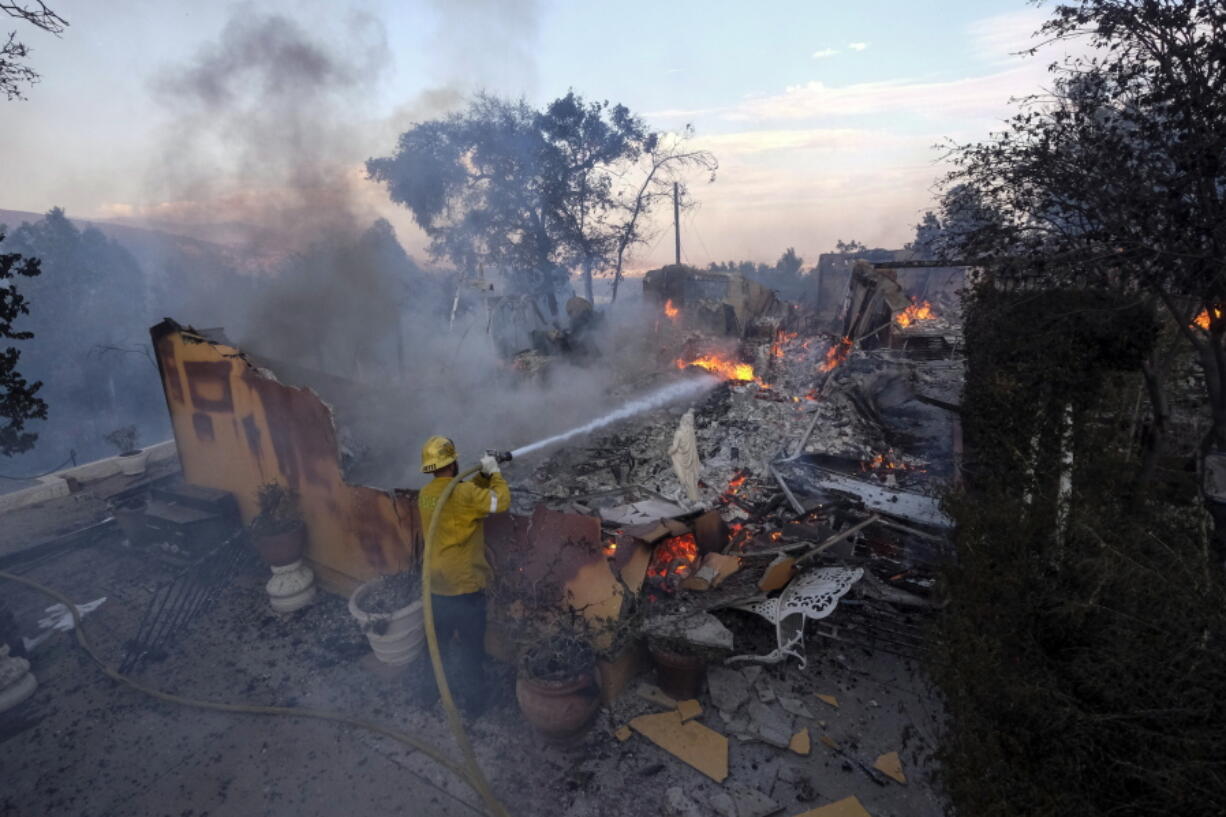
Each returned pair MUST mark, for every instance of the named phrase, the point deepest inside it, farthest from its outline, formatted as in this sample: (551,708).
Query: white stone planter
(291,587)
(396,638)
(133,464)
(16,681)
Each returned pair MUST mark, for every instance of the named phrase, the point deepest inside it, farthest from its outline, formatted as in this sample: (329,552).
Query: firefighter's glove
(489,465)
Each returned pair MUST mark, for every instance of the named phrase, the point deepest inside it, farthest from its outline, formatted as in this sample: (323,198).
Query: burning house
(758,496)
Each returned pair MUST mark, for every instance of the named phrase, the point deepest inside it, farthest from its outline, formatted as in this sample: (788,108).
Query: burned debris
(759,498)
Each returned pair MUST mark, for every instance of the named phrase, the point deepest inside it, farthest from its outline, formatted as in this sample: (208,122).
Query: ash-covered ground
(85,745)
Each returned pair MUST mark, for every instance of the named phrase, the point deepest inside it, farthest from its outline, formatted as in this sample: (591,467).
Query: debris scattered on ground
(689,709)
(847,807)
(736,800)
(800,743)
(703,748)
(768,725)
(889,765)
(729,688)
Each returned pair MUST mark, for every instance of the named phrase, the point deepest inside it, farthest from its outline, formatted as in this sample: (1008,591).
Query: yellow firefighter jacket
(457,560)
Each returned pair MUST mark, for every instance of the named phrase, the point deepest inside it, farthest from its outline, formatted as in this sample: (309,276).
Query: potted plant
(279,535)
(556,686)
(681,667)
(388,609)
(131,458)
(277,530)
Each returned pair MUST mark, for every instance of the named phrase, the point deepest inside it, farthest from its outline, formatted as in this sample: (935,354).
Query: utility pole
(677,219)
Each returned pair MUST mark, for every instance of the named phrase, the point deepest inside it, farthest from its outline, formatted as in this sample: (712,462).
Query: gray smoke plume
(265,128)
(266,123)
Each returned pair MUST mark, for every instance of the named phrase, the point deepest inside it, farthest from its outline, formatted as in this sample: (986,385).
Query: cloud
(999,38)
(757,142)
(825,52)
(986,96)
(857,46)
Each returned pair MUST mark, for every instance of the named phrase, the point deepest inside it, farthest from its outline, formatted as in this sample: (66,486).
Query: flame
(727,369)
(674,557)
(734,485)
(915,313)
(610,547)
(670,310)
(887,462)
(781,338)
(1202,320)
(836,354)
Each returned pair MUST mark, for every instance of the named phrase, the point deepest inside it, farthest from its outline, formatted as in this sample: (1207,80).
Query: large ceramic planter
(678,674)
(283,548)
(560,711)
(291,587)
(133,462)
(395,637)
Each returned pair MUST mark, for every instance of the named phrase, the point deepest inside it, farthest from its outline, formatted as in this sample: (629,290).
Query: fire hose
(470,771)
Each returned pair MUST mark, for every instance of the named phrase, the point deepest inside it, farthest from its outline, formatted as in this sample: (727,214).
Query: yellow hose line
(291,711)
(474,775)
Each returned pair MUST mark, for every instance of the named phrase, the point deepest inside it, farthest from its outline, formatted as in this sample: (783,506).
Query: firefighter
(459,571)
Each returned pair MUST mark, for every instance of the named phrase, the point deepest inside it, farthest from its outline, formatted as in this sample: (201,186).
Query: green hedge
(1083,675)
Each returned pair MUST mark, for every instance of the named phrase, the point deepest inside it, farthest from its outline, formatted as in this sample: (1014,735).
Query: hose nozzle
(500,456)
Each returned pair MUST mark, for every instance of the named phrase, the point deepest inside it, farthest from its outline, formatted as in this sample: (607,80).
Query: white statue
(684,453)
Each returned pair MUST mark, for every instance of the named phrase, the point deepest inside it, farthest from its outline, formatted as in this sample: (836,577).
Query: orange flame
(670,310)
(674,557)
(727,369)
(781,338)
(915,313)
(836,354)
(735,484)
(1202,320)
(886,462)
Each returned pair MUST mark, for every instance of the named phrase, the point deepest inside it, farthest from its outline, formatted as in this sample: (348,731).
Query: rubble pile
(814,455)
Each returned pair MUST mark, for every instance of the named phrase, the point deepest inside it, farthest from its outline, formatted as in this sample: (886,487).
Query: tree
(661,167)
(19,400)
(1116,177)
(927,238)
(588,145)
(848,247)
(13,71)
(534,193)
(789,264)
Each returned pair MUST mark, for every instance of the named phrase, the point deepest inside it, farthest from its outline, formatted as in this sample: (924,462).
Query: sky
(825,116)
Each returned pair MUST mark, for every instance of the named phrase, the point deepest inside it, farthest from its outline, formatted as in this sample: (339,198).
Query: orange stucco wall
(236,429)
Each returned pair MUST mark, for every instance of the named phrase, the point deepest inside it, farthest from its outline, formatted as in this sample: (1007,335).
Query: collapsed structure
(789,500)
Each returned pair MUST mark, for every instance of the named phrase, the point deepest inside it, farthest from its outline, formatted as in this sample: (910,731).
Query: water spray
(652,400)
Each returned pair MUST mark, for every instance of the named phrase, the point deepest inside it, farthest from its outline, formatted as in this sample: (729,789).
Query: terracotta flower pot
(281,549)
(679,675)
(560,711)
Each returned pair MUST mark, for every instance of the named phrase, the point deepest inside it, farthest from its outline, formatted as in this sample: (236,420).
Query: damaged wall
(237,427)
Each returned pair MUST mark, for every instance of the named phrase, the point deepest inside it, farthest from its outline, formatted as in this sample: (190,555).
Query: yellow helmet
(438,452)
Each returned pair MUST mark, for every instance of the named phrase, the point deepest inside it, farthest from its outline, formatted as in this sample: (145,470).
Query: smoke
(264,125)
(457,384)
(265,138)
